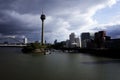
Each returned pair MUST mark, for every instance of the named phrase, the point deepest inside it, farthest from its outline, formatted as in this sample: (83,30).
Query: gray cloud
(9,25)
(22,17)
(114,31)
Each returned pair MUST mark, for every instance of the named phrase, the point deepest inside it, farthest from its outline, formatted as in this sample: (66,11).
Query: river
(14,65)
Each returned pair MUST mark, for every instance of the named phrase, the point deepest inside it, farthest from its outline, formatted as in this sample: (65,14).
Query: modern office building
(72,37)
(100,38)
(77,41)
(113,43)
(85,38)
(73,41)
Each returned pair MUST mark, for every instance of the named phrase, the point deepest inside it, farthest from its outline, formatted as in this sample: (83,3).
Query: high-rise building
(77,41)
(85,37)
(72,37)
(73,41)
(100,38)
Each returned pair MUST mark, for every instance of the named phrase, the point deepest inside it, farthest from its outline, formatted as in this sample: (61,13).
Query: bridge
(11,41)
(12,45)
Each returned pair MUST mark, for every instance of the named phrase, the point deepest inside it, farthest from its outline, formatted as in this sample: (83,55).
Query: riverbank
(111,53)
(104,52)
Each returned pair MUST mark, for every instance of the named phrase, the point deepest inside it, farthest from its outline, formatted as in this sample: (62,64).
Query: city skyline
(22,18)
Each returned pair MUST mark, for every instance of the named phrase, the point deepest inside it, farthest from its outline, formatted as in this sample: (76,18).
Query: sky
(21,18)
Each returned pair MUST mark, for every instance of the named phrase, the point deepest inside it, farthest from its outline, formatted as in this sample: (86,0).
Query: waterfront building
(85,38)
(77,41)
(72,37)
(25,40)
(73,41)
(100,38)
(67,43)
(113,43)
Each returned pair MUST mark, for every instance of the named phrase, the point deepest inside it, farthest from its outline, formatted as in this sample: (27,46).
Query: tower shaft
(42,33)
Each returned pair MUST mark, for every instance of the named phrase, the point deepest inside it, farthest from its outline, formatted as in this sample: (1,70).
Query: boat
(47,52)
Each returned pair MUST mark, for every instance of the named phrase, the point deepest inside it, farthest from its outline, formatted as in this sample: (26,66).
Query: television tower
(42,33)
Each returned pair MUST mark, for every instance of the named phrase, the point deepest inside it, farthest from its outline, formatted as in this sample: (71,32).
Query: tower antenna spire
(42,10)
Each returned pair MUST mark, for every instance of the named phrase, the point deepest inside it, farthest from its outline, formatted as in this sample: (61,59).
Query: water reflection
(111,61)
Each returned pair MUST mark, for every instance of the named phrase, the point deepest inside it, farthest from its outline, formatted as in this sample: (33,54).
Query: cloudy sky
(22,18)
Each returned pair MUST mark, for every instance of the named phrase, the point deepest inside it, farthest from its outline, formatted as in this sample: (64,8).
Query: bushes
(32,47)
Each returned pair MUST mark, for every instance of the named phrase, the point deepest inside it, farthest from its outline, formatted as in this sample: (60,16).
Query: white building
(25,41)
(72,37)
(73,41)
(77,41)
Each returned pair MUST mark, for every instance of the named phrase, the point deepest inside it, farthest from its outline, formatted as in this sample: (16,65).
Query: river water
(14,65)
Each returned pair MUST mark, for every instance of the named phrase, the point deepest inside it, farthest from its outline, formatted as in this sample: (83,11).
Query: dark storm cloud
(6,4)
(62,16)
(53,6)
(11,25)
(114,31)
(111,30)
(7,23)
